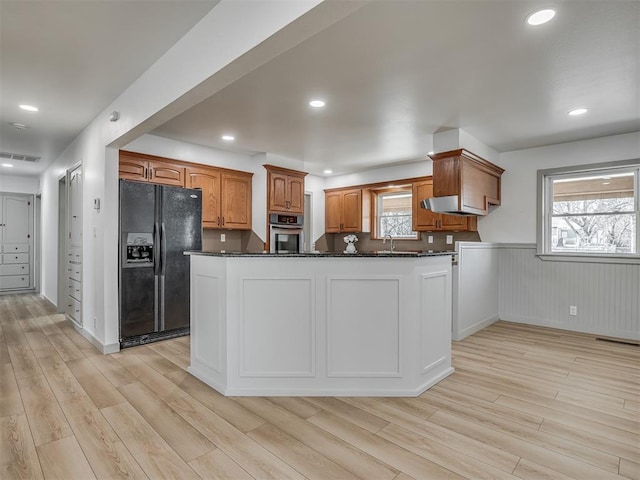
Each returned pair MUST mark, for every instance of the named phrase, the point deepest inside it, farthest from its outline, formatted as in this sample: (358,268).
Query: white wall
(515,220)
(19,184)
(420,168)
(193,69)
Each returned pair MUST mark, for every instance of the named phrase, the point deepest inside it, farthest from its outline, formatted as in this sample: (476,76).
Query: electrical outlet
(449,239)
(430,239)
(573,310)
(223,237)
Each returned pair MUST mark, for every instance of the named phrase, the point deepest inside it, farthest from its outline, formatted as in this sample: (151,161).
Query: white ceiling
(72,59)
(392,73)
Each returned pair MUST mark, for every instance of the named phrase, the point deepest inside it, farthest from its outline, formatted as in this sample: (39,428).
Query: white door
(75,208)
(16,219)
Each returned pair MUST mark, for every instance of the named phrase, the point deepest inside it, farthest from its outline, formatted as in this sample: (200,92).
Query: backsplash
(334,242)
(235,241)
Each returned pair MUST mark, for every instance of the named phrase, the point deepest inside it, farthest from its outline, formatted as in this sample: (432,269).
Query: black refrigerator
(157,224)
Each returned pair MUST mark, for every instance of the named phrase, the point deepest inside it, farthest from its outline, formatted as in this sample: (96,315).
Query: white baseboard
(476,327)
(106,349)
(318,392)
(623,334)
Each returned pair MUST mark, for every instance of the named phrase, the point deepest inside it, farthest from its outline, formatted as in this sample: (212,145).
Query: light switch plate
(430,239)
(449,239)
(223,237)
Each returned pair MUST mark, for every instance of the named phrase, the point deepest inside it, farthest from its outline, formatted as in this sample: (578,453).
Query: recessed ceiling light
(19,126)
(578,111)
(328,171)
(430,153)
(606,183)
(541,17)
(7,165)
(228,138)
(317,103)
(29,108)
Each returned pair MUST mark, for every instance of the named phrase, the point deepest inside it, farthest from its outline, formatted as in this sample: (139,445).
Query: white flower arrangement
(350,239)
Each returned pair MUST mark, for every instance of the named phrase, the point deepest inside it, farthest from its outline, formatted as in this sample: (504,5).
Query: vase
(351,248)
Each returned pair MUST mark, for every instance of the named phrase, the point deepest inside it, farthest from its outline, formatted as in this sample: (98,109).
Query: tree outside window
(594,213)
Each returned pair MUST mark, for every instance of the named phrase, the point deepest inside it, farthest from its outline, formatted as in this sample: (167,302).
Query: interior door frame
(62,244)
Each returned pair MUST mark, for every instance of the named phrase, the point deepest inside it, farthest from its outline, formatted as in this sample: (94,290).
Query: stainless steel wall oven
(285,233)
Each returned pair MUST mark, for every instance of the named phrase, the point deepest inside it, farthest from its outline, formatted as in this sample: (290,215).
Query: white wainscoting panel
(476,288)
(277,333)
(540,292)
(363,315)
(435,333)
(207,334)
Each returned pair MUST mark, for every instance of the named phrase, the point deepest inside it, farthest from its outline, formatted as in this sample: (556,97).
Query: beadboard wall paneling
(540,293)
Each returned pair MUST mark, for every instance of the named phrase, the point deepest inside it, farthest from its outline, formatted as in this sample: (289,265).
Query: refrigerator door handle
(156,243)
(163,249)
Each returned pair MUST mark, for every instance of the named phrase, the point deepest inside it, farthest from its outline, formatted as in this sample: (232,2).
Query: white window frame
(545,208)
(378,195)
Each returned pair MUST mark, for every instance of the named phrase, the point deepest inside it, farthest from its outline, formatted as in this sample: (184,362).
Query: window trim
(375,193)
(545,201)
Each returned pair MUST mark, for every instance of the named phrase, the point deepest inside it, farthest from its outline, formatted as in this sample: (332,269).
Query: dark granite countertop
(378,254)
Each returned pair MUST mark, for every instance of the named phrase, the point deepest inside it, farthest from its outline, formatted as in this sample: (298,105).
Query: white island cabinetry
(320,325)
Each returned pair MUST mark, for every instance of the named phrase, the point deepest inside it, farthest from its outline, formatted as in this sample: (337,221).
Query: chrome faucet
(384,241)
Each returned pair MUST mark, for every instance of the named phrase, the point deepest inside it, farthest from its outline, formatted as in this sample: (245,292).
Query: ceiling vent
(19,157)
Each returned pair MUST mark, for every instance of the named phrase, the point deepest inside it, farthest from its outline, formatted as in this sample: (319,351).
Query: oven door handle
(287,227)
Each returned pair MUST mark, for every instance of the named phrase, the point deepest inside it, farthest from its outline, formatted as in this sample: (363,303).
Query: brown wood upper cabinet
(427,221)
(344,210)
(475,180)
(147,168)
(285,190)
(226,194)
(226,197)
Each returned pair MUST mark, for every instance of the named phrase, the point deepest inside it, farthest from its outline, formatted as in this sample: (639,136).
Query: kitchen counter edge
(321,255)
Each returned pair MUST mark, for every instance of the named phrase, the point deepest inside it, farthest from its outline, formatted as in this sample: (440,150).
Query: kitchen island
(374,324)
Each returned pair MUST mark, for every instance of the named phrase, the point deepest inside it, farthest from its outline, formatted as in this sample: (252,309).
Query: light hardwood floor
(525,402)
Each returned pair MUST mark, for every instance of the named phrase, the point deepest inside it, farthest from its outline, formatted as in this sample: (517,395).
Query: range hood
(463,184)
(448,205)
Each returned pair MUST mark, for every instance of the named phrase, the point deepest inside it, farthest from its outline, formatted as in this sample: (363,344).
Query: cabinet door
(423,219)
(352,210)
(208,180)
(164,173)
(296,194)
(131,168)
(236,201)
(332,212)
(16,220)
(453,222)
(278,193)
(75,208)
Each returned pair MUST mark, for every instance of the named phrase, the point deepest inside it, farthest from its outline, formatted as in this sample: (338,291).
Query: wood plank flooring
(525,403)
